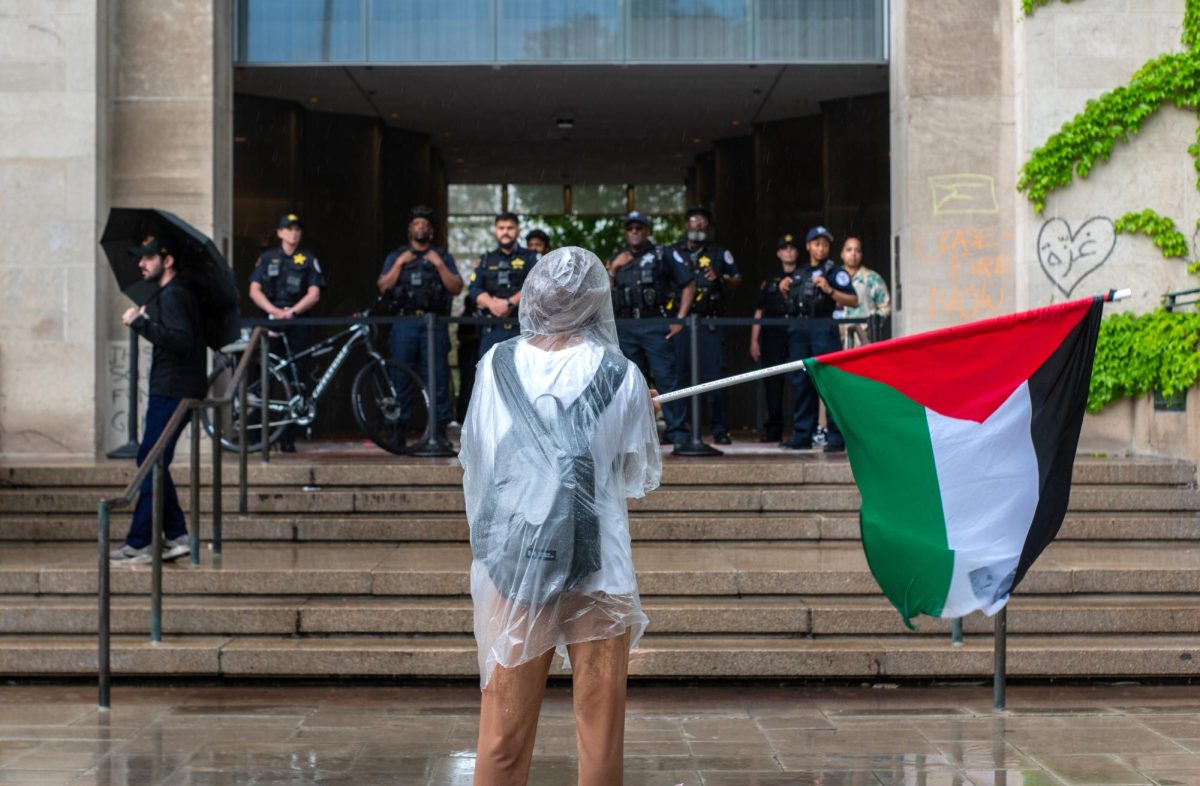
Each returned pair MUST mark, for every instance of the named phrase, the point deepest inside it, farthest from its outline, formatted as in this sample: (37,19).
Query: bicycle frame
(353,336)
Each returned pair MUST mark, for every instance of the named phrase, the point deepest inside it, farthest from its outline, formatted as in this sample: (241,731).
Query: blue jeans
(648,346)
(407,344)
(808,339)
(158,411)
(711,340)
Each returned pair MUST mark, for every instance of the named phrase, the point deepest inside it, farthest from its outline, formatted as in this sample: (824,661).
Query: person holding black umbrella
(173,322)
(285,283)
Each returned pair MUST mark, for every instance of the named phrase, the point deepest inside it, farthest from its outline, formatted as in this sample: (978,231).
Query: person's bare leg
(600,669)
(508,717)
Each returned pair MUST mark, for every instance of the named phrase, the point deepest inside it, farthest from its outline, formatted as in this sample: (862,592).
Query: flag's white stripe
(988,477)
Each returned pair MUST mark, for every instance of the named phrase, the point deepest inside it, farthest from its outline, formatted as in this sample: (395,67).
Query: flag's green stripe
(903,527)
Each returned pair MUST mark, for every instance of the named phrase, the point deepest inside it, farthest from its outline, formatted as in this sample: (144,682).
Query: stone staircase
(749,567)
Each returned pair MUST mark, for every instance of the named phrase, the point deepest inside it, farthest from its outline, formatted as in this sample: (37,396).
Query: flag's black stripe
(1058,393)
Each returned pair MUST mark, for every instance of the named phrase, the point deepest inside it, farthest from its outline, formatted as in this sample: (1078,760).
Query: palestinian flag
(962,442)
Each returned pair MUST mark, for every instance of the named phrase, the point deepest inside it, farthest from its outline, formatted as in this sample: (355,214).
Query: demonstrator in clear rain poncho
(559,432)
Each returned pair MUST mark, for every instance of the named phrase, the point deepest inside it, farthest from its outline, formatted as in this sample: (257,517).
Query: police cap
(817,232)
(788,240)
(420,211)
(699,210)
(637,217)
(289,219)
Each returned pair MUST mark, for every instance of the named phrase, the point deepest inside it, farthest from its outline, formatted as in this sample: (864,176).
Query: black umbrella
(201,266)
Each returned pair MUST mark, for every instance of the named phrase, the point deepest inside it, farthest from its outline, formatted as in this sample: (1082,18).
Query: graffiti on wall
(963,193)
(1069,256)
(978,266)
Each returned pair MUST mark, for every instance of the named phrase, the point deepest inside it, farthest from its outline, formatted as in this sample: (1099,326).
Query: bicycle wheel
(278,402)
(390,402)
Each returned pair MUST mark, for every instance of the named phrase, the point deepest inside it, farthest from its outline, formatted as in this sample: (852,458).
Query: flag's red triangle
(966,371)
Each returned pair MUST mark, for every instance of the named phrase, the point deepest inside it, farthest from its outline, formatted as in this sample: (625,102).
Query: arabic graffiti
(1068,257)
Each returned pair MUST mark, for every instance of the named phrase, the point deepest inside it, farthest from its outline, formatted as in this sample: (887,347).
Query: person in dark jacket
(172,322)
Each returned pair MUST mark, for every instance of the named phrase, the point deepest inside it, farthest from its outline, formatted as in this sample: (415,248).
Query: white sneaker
(177,547)
(128,555)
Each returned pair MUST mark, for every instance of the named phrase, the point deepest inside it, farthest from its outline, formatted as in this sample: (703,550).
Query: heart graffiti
(1069,257)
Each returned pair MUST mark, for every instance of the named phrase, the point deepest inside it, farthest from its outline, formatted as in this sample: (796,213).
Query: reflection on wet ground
(696,735)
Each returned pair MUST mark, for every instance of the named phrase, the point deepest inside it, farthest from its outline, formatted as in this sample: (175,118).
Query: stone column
(53,108)
(953,166)
(171,134)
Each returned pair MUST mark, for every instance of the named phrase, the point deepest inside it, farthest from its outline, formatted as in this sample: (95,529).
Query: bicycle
(379,393)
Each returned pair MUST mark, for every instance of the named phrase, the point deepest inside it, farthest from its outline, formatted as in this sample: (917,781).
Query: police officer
(714,273)
(419,278)
(495,288)
(769,343)
(537,241)
(643,278)
(814,291)
(286,282)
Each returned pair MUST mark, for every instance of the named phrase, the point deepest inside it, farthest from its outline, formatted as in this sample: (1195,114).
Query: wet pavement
(696,735)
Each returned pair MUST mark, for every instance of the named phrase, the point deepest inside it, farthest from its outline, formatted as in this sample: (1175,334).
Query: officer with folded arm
(813,291)
(769,343)
(495,288)
(643,279)
(286,282)
(419,278)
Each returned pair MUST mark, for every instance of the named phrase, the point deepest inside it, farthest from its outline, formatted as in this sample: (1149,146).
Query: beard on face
(422,237)
(697,235)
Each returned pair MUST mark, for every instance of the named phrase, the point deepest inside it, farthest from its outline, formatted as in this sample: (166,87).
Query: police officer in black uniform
(285,283)
(769,343)
(495,288)
(814,291)
(643,278)
(714,272)
(419,278)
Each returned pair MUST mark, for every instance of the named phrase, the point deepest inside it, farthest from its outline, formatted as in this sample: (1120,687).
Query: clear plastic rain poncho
(560,431)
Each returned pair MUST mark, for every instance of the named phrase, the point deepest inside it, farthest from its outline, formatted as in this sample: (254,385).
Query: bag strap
(595,398)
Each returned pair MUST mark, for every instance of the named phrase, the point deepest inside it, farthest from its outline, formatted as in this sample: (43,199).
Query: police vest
(774,303)
(503,276)
(639,287)
(709,294)
(420,288)
(805,299)
(286,278)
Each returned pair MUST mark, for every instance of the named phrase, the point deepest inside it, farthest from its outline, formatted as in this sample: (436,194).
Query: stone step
(643,525)
(709,499)
(843,657)
(769,615)
(440,569)
(783,467)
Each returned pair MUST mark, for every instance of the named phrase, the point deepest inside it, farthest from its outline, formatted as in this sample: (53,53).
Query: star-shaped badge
(299,259)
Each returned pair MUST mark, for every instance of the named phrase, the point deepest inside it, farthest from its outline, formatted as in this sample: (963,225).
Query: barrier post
(243,448)
(430,446)
(194,532)
(156,539)
(697,446)
(217,486)
(103,656)
(999,676)
(264,394)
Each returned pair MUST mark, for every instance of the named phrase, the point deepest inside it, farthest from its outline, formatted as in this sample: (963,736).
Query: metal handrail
(153,463)
(1172,299)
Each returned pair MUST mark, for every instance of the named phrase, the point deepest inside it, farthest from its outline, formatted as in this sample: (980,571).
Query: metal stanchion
(130,448)
(956,632)
(156,538)
(194,532)
(243,448)
(999,676)
(430,446)
(697,446)
(217,489)
(264,393)
(104,662)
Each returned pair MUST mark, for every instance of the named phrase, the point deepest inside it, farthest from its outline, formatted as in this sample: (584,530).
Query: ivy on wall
(1138,354)
(1169,240)
(1160,350)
